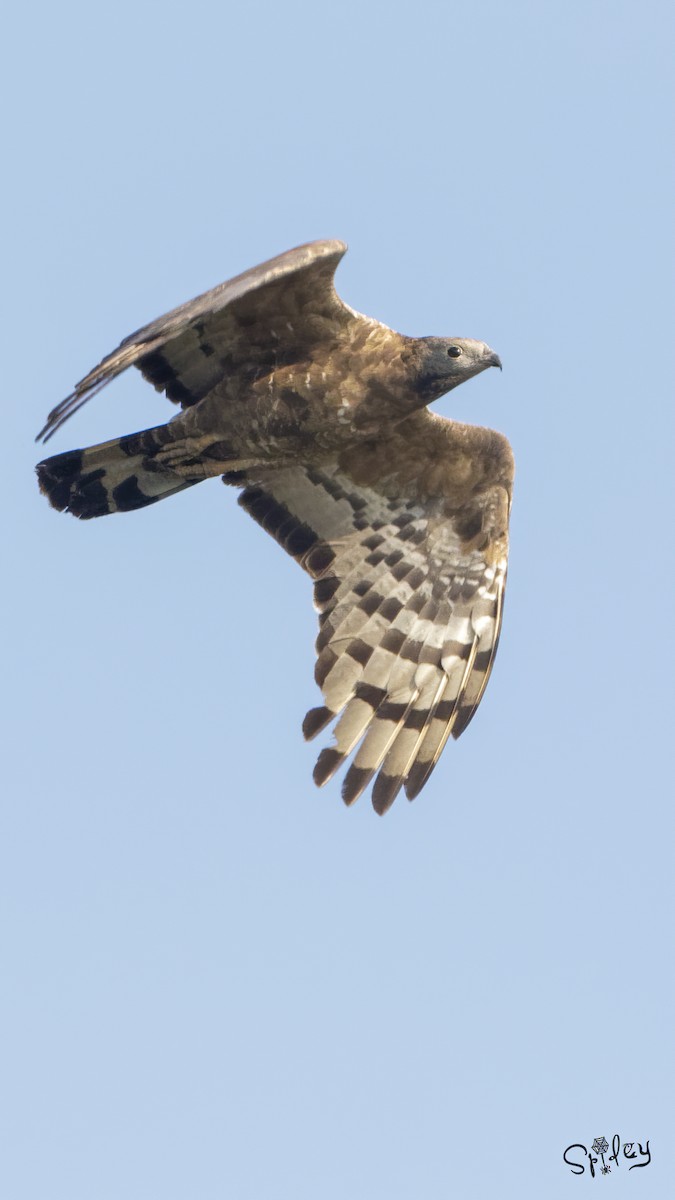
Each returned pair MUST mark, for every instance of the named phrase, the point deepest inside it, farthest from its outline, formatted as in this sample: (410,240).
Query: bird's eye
(454,351)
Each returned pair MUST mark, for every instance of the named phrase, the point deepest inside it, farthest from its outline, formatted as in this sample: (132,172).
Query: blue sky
(218,981)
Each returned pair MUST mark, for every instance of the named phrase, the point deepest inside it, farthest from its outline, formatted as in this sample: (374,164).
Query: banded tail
(116,476)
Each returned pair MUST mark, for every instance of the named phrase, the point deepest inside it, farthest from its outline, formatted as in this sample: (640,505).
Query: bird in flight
(319,415)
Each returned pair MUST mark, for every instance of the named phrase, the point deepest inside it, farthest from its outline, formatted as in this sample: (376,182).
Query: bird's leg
(198,457)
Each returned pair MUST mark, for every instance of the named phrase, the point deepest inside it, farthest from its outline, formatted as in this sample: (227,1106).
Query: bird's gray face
(444,363)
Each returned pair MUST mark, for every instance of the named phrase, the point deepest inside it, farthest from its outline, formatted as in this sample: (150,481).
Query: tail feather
(116,476)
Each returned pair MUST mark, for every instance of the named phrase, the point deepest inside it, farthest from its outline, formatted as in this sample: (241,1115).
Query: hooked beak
(493,360)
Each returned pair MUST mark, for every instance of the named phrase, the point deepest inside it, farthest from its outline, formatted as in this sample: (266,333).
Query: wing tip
(57,416)
(315,721)
(328,762)
(385,790)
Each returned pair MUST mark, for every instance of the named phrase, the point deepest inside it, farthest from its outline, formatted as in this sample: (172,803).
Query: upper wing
(261,317)
(410,572)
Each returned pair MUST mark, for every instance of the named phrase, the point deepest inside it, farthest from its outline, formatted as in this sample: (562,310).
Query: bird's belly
(276,418)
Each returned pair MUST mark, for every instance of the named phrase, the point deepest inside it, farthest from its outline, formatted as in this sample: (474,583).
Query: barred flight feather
(409,617)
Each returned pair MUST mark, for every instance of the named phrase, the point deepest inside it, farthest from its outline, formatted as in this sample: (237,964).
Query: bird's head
(443,363)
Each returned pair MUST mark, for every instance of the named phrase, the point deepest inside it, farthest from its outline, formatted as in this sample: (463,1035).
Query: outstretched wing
(409,574)
(264,317)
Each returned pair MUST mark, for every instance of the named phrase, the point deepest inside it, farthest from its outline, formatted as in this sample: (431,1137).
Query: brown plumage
(398,515)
